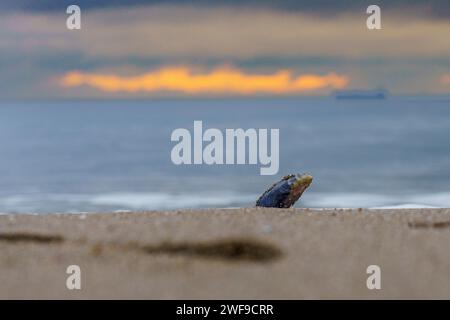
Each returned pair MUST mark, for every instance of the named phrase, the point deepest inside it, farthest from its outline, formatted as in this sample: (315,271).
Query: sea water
(92,156)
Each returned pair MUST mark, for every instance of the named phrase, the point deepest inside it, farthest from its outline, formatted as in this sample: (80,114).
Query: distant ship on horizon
(361,94)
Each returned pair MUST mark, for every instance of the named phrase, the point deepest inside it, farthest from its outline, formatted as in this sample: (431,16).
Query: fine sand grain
(227,254)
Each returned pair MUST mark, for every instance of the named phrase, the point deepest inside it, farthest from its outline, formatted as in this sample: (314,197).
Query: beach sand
(249,253)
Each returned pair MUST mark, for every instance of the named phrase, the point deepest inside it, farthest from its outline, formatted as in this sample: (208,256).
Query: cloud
(222,33)
(195,35)
(431,8)
(407,56)
(445,79)
(223,80)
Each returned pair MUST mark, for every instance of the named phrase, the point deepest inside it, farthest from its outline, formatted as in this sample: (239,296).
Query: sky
(139,49)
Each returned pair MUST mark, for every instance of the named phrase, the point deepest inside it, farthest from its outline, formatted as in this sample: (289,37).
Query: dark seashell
(285,192)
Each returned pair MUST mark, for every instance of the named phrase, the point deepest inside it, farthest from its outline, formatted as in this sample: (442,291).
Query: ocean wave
(406,206)
(120,202)
(129,201)
(169,201)
(377,201)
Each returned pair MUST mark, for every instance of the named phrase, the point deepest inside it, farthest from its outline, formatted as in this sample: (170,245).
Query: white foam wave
(406,206)
(379,201)
(120,201)
(128,201)
(168,201)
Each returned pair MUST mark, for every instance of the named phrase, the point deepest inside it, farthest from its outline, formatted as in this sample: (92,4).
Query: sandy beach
(249,253)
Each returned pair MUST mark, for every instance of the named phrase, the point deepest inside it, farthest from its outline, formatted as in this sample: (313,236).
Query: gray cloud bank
(406,56)
(431,8)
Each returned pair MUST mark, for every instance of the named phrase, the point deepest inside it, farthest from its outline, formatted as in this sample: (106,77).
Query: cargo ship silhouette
(361,94)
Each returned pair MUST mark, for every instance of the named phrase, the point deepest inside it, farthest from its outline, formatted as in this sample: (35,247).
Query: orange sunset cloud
(219,81)
(445,79)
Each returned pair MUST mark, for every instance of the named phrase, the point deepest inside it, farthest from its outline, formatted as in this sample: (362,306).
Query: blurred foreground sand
(228,254)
